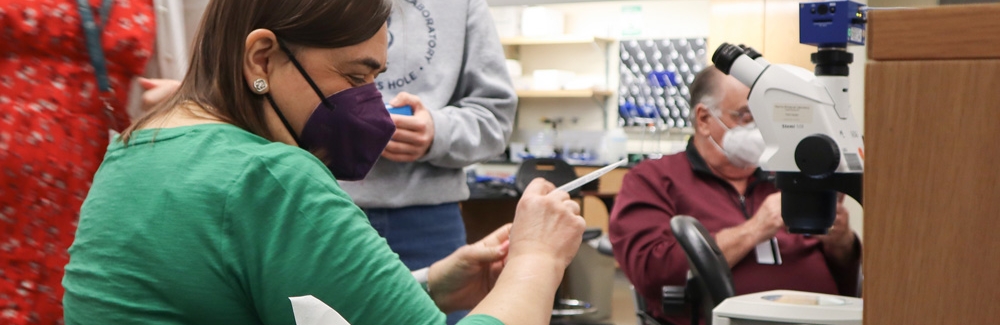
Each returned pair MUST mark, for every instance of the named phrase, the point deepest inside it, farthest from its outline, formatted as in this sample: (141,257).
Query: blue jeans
(421,235)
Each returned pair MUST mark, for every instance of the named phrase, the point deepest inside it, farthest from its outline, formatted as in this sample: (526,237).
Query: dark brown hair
(215,79)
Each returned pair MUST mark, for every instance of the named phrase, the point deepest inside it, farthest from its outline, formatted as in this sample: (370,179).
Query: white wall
(659,19)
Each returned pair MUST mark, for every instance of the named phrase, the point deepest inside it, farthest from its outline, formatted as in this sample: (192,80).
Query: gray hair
(706,90)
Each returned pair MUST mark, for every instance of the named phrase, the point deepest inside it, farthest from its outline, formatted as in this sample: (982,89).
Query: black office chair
(554,170)
(712,278)
(709,282)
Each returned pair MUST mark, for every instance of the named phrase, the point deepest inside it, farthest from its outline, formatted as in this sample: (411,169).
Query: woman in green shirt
(222,203)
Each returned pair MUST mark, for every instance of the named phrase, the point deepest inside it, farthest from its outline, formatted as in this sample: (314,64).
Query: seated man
(717,181)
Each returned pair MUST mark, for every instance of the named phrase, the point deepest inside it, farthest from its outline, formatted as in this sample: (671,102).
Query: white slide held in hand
(576,183)
(309,310)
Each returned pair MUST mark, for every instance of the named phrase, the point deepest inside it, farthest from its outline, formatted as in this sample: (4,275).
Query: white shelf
(563,93)
(555,40)
(585,55)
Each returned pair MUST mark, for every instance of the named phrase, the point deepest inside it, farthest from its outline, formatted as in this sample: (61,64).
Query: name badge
(768,253)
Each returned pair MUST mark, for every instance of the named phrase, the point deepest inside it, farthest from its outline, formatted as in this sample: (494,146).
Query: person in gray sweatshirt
(446,62)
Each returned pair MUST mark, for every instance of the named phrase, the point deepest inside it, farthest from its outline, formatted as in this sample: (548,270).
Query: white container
(614,146)
(542,22)
(549,79)
(585,83)
(507,20)
(517,151)
(542,144)
(514,68)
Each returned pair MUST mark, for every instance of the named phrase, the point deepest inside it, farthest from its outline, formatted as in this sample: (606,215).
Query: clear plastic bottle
(542,144)
(615,146)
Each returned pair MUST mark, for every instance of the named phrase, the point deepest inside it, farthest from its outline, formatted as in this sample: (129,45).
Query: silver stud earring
(260,86)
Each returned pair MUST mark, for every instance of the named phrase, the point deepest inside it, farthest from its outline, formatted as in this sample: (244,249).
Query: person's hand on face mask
(461,280)
(156,91)
(414,134)
(767,222)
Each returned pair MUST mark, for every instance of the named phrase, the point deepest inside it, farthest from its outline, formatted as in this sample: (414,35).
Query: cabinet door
(736,21)
(932,192)
(771,27)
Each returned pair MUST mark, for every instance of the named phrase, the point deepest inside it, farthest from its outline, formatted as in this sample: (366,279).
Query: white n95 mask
(743,145)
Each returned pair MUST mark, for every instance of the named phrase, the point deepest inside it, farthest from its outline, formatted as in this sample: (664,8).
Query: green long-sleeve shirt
(210,224)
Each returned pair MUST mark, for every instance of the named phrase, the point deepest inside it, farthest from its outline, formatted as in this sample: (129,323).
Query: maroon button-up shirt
(682,184)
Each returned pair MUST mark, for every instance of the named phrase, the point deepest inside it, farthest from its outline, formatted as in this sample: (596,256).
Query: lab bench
(485,212)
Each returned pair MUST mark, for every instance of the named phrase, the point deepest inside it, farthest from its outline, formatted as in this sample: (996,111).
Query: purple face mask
(347,131)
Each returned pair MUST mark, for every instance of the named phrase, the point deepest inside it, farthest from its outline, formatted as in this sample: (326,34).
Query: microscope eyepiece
(732,60)
(725,55)
(753,54)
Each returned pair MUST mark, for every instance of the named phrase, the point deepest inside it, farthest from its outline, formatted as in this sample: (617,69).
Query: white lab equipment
(812,141)
(551,79)
(542,22)
(542,144)
(788,307)
(614,146)
(507,20)
(814,146)
(514,68)
(517,151)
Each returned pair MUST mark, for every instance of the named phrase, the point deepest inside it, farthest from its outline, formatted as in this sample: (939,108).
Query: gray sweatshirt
(448,53)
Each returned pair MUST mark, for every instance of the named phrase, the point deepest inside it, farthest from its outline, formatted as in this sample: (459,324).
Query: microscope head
(812,143)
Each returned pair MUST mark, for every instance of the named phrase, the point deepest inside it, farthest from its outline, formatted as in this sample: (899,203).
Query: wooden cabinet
(932,184)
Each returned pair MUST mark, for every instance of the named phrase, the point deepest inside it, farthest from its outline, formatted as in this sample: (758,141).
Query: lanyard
(93,34)
(96,52)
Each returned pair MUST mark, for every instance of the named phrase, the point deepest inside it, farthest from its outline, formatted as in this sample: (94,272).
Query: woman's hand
(546,234)
(547,225)
(461,280)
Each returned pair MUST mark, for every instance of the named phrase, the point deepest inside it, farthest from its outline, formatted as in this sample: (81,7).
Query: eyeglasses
(741,117)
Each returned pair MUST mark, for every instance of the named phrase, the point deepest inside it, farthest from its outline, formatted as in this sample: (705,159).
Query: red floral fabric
(53,135)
